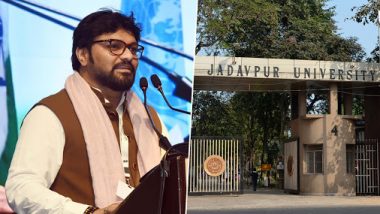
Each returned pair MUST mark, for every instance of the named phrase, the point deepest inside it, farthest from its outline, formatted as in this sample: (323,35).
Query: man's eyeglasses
(118,47)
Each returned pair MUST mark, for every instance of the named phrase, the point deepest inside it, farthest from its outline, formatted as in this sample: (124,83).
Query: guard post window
(314,159)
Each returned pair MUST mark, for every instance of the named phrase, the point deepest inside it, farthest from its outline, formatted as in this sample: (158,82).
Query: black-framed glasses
(118,47)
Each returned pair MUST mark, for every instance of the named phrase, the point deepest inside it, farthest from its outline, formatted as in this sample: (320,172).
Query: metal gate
(367,168)
(291,169)
(224,158)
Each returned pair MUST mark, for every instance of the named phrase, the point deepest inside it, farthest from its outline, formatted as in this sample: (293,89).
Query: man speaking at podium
(78,146)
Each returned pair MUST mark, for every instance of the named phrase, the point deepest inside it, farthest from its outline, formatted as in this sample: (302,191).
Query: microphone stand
(164,142)
(170,106)
(157,84)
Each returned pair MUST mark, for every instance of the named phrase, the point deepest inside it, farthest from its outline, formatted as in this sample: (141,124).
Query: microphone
(157,84)
(164,142)
(144,87)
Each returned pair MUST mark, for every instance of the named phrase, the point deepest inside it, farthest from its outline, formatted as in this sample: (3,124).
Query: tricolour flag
(8,121)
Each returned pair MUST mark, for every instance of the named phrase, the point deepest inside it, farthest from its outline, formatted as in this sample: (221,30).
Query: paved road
(272,201)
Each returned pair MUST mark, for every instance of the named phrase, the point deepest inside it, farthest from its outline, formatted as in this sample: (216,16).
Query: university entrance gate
(330,160)
(215,165)
(367,168)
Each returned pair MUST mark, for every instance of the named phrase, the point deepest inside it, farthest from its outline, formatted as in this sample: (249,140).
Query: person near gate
(254,176)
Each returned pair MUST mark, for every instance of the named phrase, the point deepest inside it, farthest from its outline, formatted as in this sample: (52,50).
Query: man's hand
(111,209)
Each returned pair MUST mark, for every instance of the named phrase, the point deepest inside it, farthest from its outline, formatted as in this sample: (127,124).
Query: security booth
(335,152)
(336,157)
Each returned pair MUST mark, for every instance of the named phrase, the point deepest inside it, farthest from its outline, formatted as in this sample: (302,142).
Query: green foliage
(253,116)
(211,114)
(366,13)
(375,55)
(300,29)
(358,105)
(262,119)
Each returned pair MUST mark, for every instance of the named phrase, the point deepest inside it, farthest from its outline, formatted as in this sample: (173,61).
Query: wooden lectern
(163,189)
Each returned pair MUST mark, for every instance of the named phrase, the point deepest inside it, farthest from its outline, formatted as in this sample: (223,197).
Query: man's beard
(114,80)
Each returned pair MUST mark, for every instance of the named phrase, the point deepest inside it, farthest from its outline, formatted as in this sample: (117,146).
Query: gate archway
(324,139)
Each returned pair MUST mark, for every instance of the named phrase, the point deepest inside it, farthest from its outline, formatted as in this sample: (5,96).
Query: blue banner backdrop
(161,23)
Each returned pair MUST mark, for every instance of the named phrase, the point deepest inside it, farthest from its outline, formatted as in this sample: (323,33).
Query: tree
(263,123)
(211,114)
(368,14)
(300,29)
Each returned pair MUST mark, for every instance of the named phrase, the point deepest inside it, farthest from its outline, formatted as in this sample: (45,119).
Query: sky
(366,34)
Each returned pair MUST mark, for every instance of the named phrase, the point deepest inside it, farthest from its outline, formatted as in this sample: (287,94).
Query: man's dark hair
(98,23)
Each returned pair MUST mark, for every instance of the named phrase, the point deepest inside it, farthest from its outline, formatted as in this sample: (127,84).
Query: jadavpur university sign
(265,68)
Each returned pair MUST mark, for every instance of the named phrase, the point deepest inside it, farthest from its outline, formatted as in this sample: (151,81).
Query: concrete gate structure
(328,159)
